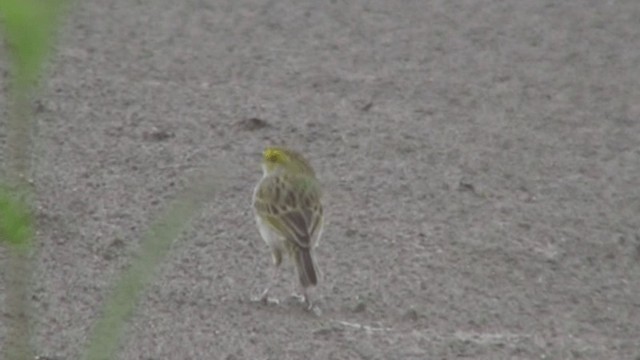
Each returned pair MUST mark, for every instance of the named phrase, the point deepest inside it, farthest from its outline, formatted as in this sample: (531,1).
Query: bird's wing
(291,206)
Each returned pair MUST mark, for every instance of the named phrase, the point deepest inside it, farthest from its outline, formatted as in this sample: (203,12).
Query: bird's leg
(275,272)
(306,299)
(264,298)
(298,292)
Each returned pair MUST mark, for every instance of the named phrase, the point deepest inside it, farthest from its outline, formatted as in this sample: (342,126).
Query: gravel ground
(481,161)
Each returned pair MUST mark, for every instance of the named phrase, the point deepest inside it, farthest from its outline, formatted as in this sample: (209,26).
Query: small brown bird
(288,209)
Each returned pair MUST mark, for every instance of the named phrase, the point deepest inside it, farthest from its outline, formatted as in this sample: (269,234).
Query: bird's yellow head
(279,158)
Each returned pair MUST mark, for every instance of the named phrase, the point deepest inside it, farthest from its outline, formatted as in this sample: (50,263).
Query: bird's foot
(306,301)
(265,299)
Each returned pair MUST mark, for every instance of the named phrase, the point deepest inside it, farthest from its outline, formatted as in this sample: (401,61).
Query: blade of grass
(16,227)
(16,231)
(17,342)
(118,308)
(29,28)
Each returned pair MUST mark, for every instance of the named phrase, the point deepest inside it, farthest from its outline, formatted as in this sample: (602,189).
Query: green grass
(155,245)
(16,224)
(28,28)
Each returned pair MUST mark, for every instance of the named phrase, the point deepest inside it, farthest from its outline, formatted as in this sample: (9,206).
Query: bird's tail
(306,268)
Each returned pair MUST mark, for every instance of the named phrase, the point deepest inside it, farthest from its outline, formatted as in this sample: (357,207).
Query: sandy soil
(481,161)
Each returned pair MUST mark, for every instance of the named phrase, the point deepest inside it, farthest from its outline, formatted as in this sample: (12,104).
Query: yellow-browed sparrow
(288,211)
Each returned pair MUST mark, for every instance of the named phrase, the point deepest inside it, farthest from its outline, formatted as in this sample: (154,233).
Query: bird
(287,204)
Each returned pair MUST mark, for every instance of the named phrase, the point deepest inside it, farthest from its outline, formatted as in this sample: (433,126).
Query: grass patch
(29,28)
